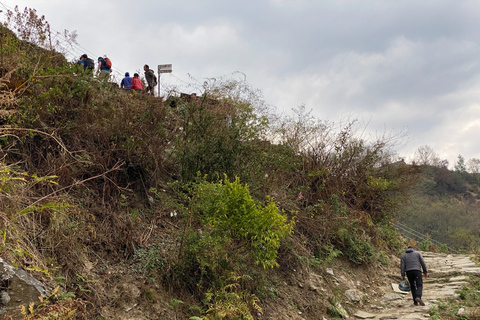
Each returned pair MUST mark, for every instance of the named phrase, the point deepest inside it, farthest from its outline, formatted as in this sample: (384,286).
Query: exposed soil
(291,292)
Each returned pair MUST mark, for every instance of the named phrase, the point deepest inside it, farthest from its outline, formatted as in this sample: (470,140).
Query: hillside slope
(214,208)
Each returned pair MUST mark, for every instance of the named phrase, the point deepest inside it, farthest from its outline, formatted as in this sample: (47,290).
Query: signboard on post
(163,68)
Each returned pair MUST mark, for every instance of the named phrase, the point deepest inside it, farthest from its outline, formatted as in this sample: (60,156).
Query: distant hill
(445,205)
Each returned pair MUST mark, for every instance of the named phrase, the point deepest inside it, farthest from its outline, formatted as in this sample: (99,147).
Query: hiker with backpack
(151,79)
(104,67)
(412,264)
(126,82)
(137,84)
(87,63)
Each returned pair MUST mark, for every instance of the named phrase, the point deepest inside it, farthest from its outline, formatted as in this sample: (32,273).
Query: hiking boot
(415,303)
(419,301)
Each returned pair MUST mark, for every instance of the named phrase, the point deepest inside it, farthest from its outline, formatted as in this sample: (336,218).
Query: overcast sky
(397,66)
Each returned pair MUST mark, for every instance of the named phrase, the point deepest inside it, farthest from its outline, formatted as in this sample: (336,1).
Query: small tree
(460,165)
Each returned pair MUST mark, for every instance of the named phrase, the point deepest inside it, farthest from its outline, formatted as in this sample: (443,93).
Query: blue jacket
(83,62)
(126,83)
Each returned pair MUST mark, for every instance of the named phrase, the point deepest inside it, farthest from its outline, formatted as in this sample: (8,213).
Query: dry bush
(110,150)
(343,186)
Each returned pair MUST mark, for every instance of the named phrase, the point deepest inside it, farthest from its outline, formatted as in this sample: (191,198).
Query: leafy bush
(390,236)
(426,245)
(148,259)
(229,209)
(231,301)
(358,249)
(233,233)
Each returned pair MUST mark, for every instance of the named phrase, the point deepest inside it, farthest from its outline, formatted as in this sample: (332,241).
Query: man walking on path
(412,264)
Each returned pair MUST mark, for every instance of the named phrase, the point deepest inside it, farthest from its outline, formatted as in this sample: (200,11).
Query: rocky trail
(447,274)
(373,294)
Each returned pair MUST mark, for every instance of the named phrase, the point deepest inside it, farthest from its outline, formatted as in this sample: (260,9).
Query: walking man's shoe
(419,301)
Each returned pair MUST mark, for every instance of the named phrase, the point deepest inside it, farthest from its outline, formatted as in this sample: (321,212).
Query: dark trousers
(150,89)
(416,283)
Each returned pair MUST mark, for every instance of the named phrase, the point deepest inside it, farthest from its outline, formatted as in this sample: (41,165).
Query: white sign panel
(164,68)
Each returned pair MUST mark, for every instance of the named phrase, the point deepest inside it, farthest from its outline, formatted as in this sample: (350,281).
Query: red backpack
(108,62)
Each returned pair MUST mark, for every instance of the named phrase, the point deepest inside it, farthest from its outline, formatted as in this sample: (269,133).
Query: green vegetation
(444,206)
(228,209)
(207,200)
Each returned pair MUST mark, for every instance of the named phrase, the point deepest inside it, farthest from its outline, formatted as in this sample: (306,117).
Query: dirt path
(447,273)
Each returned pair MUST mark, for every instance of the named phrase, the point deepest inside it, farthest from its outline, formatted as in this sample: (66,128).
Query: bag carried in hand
(404,286)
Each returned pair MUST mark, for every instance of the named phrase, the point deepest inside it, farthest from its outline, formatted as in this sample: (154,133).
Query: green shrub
(204,260)
(358,249)
(391,237)
(443,248)
(229,208)
(426,245)
(148,259)
(231,301)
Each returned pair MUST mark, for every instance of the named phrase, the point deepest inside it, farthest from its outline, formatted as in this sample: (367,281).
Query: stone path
(447,273)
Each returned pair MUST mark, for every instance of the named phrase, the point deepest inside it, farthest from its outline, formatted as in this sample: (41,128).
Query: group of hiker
(135,83)
(104,68)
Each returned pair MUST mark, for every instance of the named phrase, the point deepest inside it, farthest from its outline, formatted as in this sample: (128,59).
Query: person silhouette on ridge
(87,63)
(103,69)
(126,82)
(137,84)
(151,79)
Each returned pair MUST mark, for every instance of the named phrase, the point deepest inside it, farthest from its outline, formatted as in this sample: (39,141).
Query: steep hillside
(205,208)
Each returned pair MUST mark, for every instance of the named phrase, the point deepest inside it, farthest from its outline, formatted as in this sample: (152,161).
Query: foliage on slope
(91,172)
